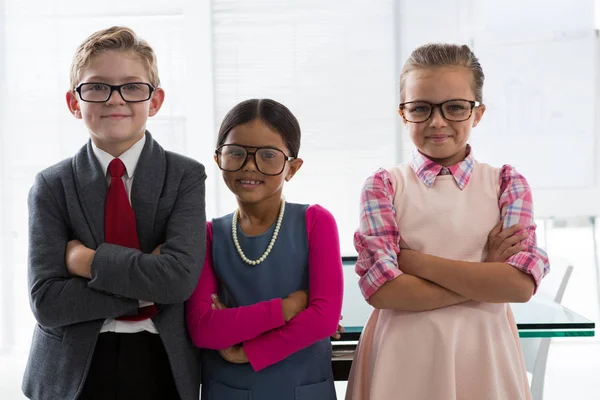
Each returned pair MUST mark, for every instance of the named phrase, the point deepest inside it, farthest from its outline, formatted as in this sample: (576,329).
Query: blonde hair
(115,38)
(434,55)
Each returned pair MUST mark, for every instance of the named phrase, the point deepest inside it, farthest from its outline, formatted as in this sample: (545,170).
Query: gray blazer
(67,202)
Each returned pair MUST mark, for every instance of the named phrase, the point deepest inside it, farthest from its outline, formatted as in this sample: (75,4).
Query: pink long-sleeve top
(261,328)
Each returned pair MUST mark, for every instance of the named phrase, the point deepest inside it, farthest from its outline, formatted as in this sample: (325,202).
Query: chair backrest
(535,351)
(563,284)
(555,283)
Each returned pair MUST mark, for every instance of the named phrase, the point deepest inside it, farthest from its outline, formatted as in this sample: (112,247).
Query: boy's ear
(73,104)
(156,101)
(401,114)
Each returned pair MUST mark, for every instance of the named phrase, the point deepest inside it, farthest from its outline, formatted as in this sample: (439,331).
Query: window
(37,130)
(333,65)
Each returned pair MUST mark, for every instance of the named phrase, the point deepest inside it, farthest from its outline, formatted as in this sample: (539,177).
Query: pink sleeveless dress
(469,351)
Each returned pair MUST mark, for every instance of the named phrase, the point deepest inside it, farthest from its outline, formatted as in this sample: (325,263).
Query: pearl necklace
(271,243)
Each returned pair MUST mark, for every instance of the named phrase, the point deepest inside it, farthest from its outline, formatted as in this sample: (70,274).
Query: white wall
(37,43)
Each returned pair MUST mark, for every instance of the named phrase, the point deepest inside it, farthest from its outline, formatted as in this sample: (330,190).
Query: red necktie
(119,224)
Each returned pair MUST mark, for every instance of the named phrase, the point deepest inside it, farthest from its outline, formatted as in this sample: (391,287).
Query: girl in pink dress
(444,244)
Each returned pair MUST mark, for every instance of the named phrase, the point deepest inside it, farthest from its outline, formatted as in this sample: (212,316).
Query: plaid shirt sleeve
(377,238)
(516,206)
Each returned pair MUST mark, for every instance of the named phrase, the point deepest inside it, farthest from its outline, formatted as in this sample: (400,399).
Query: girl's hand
(408,261)
(339,331)
(217,304)
(234,354)
(504,243)
(294,304)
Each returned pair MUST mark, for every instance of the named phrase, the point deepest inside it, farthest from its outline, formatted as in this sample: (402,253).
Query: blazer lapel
(90,182)
(147,186)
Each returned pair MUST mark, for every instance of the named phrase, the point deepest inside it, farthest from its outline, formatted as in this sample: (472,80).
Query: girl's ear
(295,165)
(478,112)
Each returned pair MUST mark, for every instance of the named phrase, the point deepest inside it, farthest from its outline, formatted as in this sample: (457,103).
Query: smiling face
(441,140)
(249,185)
(115,125)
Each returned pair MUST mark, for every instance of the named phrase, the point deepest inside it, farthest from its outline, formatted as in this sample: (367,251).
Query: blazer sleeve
(171,276)
(56,298)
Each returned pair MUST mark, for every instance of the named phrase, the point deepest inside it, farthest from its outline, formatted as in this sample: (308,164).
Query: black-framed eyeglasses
(132,92)
(268,160)
(455,110)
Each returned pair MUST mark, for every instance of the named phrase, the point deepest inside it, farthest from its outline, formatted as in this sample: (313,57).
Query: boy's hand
(234,354)
(79,259)
(294,304)
(504,243)
(156,251)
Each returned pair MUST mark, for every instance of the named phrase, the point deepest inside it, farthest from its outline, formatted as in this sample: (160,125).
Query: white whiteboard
(540,93)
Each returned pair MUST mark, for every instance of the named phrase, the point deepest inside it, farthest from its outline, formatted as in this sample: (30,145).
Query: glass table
(541,317)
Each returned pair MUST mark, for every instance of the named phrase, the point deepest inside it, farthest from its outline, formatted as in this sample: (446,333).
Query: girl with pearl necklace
(270,293)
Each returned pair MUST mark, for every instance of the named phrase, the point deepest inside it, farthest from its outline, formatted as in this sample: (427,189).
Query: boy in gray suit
(117,240)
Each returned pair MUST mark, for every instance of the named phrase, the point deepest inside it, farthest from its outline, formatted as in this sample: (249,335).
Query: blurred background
(336,65)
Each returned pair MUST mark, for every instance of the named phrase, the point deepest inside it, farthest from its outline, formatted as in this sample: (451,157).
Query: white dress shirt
(130,159)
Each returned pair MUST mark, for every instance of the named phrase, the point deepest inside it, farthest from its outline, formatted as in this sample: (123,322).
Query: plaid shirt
(378,236)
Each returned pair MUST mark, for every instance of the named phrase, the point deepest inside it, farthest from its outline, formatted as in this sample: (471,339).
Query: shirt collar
(428,170)
(130,157)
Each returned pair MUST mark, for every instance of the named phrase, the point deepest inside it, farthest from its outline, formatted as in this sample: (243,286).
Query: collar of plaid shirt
(428,170)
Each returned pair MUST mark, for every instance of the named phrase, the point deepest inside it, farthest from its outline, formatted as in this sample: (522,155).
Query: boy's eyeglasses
(268,160)
(456,110)
(132,92)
